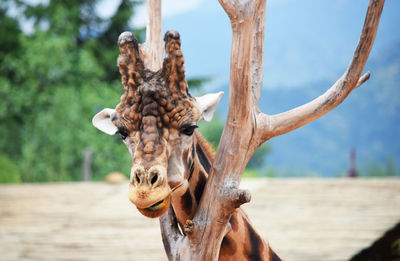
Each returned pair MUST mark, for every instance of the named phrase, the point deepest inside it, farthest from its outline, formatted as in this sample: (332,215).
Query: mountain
(368,120)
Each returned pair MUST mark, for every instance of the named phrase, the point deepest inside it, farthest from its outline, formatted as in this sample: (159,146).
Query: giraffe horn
(130,65)
(173,69)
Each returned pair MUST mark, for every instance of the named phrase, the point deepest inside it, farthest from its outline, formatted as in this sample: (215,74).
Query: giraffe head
(156,119)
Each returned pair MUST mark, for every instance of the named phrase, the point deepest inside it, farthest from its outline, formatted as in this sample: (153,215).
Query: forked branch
(247,128)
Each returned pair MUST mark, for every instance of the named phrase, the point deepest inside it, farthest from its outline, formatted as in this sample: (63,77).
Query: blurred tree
(258,158)
(9,31)
(53,81)
(196,83)
(8,171)
(212,130)
(374,168)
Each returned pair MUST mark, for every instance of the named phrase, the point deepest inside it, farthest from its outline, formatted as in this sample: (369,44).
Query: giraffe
(157,120)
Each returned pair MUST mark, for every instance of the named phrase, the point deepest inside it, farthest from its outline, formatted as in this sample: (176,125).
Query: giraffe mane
(206,146)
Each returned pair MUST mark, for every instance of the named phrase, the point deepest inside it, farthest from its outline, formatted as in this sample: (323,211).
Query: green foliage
(258,158)
(212,130)
(375,169)
(251,173)
(271,173)
(54,81)
(9,31)
(196,83)
(8,171)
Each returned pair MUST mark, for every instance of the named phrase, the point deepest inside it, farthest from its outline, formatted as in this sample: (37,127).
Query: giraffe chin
(156,210)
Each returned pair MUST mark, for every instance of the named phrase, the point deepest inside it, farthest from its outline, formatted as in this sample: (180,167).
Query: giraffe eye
(123,134)
(189,130)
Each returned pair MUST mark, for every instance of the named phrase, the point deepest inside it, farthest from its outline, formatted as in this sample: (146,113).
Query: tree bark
(152,50)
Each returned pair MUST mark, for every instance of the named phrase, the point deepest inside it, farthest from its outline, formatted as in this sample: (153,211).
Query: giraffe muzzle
(149,190)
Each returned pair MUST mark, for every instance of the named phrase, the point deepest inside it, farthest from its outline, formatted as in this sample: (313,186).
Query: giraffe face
(156,119)
(155,134)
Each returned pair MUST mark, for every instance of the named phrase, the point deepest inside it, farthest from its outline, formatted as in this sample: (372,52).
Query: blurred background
(58,68)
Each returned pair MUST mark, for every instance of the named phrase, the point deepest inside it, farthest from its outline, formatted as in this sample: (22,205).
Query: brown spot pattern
(255,249)
(198,191)
(203,158)
(186,202)
(228,246)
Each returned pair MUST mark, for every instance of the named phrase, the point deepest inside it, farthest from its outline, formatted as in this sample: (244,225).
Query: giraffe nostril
(154,178)
(137,176)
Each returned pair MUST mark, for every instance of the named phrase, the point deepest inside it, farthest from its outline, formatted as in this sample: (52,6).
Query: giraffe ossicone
(156,119)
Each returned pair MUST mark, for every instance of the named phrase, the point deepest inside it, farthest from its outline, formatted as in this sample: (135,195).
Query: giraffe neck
(197,166)
(242,242)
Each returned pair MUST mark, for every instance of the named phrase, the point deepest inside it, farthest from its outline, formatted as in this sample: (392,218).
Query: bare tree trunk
(247,128)
(152,50)
(87,164)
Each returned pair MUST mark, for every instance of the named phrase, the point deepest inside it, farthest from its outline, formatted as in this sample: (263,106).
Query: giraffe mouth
(157,209)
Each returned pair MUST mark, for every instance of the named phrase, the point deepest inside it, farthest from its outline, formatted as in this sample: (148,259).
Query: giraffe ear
(207,105)
(102,121)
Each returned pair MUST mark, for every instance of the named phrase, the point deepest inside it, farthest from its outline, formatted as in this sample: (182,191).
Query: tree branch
(363,79)
(275,125)
(174,242)
(152,50)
